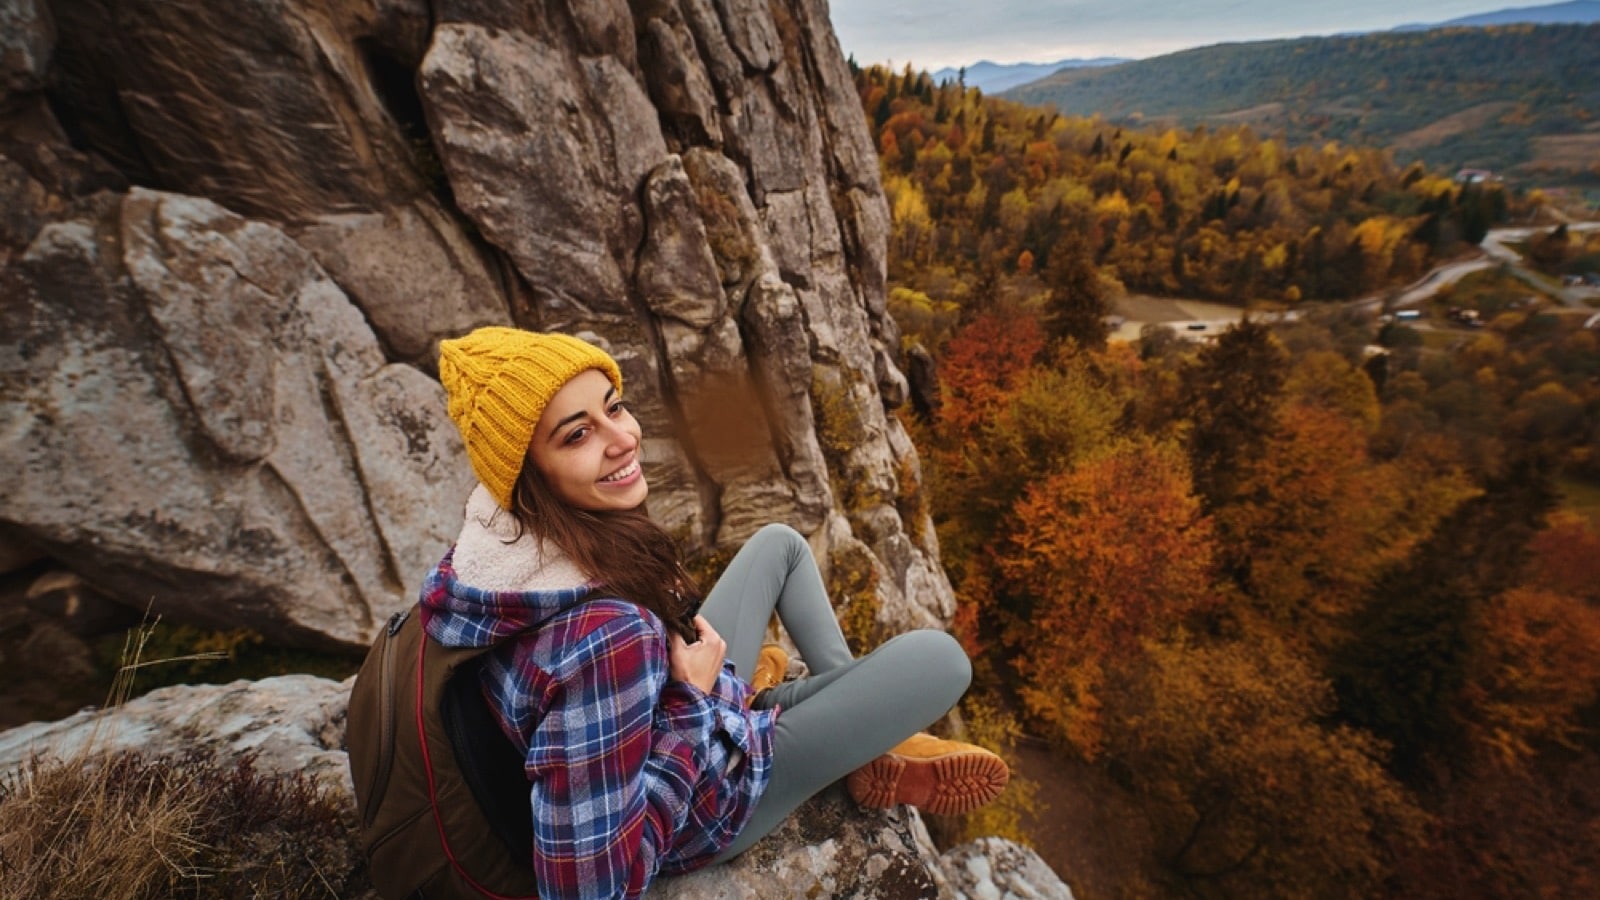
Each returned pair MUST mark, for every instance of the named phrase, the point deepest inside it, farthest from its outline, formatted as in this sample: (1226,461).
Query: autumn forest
(1317,599)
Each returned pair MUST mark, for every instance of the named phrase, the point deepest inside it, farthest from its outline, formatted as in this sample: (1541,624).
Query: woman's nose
(620,439)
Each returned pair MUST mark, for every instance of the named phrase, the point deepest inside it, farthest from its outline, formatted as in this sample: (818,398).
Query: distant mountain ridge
(1575,12)
(993,77)
(1522,99)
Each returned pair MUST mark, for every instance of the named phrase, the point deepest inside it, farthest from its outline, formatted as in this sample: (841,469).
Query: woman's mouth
(622,475)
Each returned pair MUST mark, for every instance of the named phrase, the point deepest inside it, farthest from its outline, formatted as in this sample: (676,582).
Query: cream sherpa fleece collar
(490,556)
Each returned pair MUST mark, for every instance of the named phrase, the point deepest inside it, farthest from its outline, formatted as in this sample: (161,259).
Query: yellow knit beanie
(499,381)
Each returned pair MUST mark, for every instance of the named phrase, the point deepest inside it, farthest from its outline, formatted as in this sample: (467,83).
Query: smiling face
(586,446)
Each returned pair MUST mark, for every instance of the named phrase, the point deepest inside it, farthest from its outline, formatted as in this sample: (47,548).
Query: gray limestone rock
(299,113)
(677,274)
(680,87)
(751,32)
(413,271)
(293,723)
(200,419)
(534,160)
(994,869)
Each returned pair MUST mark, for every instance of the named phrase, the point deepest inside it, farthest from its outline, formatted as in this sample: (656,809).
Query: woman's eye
(618,408)
(576,435)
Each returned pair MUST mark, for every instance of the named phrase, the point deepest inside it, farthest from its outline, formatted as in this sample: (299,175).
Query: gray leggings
(848,711)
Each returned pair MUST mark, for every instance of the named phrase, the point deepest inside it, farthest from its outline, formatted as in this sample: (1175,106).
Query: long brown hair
(630,554)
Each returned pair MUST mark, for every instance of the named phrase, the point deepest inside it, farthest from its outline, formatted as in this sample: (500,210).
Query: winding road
(1495,253)
(1196,320)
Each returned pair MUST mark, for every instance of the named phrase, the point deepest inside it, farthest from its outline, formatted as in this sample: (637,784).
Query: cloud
(936,33)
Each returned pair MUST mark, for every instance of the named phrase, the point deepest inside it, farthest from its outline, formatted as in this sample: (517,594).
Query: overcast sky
(932,34)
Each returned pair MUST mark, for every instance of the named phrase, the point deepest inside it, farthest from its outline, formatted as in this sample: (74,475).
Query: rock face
(231,238)
(295,723)
(195,401)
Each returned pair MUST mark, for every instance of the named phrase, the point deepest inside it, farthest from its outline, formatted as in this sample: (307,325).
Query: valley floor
(1085,828)
(1138,310)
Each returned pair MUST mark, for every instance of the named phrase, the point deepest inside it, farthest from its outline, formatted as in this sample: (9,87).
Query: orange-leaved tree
(1008,421)
(1249,793)
(1302,534)
(1535,667)
(982,363)
(1567,558)
(1103,556)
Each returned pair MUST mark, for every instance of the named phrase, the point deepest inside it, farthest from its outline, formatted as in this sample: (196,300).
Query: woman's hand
(700,662)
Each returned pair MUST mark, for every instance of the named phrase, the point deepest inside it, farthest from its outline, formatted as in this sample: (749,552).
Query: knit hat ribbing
(499,381)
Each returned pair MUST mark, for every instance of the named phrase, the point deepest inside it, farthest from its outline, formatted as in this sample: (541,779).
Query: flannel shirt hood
(495,583)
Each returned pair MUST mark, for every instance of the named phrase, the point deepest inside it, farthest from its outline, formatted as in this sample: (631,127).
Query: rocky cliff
(231,236)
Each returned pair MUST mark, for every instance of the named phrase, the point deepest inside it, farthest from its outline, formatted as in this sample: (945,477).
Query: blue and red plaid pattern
(632,773)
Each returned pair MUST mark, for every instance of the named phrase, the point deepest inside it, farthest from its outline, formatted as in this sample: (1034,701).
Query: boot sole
(946,785)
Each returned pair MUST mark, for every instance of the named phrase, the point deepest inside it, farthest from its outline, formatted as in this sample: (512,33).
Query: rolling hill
(1520,100)
(1573,12)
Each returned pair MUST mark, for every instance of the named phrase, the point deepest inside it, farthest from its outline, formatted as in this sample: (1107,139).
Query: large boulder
(196,413)
(689,184)
(992,868)
(290,723)
(295,723)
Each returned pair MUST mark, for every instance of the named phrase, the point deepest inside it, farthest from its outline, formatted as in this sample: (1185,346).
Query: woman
(647,748)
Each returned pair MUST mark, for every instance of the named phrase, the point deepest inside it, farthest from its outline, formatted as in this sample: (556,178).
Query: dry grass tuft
(115,827)
(192,826)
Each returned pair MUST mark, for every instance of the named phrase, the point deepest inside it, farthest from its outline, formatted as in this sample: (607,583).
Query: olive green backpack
(440,790)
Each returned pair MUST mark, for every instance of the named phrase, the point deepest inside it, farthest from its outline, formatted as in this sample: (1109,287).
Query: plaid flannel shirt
(632,773)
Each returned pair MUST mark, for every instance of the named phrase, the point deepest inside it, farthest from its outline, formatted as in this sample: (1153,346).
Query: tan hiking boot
(937,776)
(771,666)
